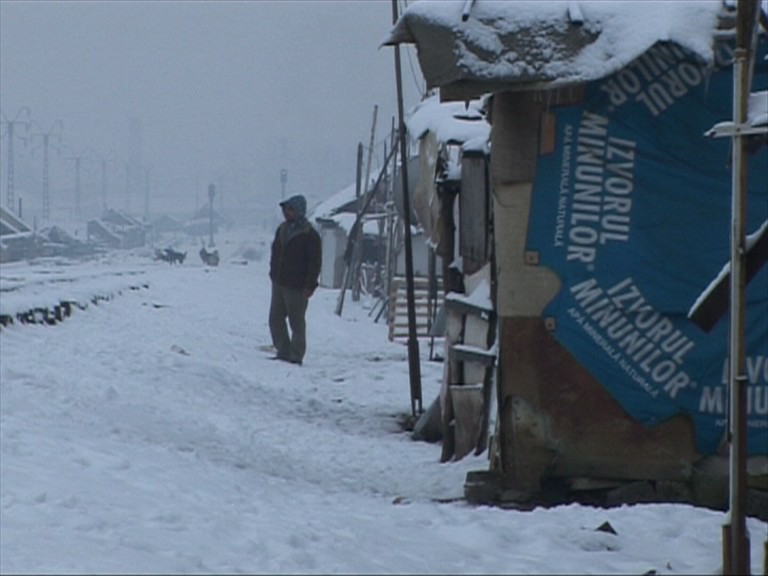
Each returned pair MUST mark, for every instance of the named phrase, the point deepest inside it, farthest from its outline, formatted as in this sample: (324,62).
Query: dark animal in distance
(209,258)
(170,255)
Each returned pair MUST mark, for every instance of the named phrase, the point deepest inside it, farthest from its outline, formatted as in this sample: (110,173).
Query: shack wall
(555,419)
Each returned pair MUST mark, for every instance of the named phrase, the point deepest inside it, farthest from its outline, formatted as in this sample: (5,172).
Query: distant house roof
(119,218)
(340,209)
(532,45)
(165,223)
(206,211)
(11,224)
(343,201)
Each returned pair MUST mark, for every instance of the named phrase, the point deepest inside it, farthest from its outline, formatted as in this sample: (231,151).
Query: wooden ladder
(397,313)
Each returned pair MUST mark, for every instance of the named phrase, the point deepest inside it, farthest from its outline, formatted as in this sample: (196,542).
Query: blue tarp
(632,210)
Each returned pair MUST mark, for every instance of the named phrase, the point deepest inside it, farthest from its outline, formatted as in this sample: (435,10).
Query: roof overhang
(532,45)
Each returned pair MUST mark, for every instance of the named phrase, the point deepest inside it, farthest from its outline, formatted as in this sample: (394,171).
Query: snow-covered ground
(149,433)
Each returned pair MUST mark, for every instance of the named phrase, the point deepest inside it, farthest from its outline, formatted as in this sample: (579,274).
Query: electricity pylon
(104,160)
(55,132)
(78,159)
(22,119)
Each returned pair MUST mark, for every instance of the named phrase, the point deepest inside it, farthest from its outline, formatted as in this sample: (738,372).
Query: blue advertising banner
(632,210)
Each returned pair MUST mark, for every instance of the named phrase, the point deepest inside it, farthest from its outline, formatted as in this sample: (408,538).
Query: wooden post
(765,558)
(347,281)
(358,254)
(358,222)
(381,255)
(392,223)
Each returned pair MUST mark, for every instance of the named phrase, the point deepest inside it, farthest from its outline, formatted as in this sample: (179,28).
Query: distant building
(202,220)
(117,229)
(17,239)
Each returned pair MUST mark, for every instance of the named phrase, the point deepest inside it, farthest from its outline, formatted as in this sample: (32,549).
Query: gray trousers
(291,305)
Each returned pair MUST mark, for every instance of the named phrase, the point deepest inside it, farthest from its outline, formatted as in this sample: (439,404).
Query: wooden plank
(461,353)
(467,403)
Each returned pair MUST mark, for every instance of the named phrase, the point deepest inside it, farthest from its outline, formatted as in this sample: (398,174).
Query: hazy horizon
(224,93)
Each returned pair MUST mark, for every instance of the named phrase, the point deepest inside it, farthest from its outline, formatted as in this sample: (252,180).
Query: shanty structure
(17,239)
(610,219)
(380,266)
(206,220)
(117,229)
(451,202)
(334,218)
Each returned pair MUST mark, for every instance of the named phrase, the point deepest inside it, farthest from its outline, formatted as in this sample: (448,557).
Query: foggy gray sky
(227,92)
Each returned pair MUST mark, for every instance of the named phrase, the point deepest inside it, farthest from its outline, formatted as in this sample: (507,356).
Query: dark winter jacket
(296,252)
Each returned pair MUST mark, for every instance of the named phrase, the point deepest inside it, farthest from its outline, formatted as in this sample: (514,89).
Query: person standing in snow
(294,268)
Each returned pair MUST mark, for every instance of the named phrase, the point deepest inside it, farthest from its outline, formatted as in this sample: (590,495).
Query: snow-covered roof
(11,224)
(119,217)
(335,204)
(452,122)
(341,208)
(535,45)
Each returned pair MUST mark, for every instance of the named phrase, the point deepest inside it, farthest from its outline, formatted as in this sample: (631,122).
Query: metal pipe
(467,9)
(736,381)
(414,366)
(736,548)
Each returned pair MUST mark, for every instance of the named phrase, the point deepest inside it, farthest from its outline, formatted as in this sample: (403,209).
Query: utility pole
(283,181)
(147,172)
(414,366)
(128,188)
(211,193)
(78,159)
(358,257)
(104,160)
(104,184)
(55,132)
(135,171)
(77,186)
(222,185)
(197,192)
(22,119)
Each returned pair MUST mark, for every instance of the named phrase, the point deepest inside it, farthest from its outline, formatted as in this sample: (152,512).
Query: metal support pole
(737,537)
(414,366)
(736,553)
(55,131)
(22,118)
